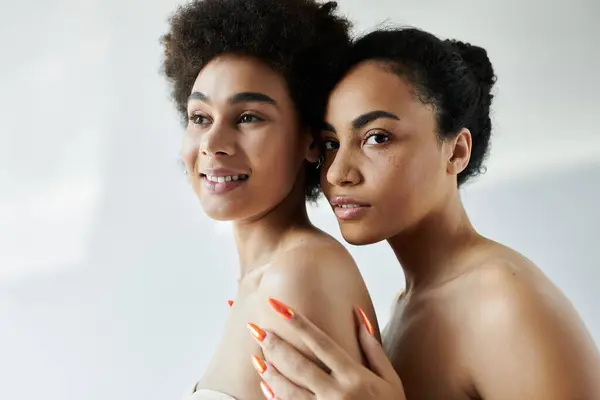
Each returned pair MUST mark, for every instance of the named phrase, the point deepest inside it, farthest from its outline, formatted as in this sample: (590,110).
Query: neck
(258,239)
(428,250)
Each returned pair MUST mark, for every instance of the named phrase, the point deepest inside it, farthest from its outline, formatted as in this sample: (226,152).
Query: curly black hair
(305,41)
(455,77)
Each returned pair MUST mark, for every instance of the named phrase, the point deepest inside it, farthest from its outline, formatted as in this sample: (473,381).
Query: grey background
(113,285)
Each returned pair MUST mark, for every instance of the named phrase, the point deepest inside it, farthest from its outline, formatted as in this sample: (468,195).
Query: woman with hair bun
(406,126)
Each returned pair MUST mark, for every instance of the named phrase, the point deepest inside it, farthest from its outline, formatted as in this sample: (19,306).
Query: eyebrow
(328,127)
(243,97)
(371,116)
(363,120)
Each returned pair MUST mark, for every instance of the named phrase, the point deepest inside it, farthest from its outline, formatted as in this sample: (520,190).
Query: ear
(313,150)
(460,152)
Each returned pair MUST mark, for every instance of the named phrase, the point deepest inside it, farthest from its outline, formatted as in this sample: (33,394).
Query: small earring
(320,162)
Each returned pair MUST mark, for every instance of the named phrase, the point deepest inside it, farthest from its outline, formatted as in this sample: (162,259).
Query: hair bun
(477,61)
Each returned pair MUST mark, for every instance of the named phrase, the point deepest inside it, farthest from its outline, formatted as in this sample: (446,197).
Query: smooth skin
(241,118)
(477,320)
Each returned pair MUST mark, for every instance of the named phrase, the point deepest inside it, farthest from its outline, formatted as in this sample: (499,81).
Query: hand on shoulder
(324,284)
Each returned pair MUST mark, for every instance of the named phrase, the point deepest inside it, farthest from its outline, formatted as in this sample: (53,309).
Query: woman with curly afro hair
(250,79)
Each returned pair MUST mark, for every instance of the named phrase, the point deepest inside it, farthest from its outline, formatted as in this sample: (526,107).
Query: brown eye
(199,119)
(331,145)
(377,138)
(249,118)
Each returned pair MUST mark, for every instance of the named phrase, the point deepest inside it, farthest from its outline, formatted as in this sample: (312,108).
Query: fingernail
(267,390)
(259,364)
(258,333)
(230,302)
(281,308)
(366,321)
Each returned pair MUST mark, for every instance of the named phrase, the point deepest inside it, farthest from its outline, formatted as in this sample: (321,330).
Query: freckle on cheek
(395,161)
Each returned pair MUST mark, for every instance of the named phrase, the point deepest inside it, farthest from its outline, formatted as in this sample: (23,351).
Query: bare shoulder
(318,277)
(504,273)
(315,259)
(513,286)
(525,339)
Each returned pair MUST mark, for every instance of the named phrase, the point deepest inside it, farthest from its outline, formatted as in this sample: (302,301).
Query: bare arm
(527,342)
(324,285)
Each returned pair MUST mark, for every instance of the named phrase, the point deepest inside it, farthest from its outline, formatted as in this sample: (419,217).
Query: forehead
(229,74)
(371,85)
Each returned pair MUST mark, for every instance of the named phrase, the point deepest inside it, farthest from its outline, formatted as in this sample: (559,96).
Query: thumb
(378,361)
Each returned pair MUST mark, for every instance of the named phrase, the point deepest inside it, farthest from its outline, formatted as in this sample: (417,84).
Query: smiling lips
(227,178)
(221,181)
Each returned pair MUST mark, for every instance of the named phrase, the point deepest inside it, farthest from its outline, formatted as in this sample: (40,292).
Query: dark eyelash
(377,133)
(324,141)
(255,118)
(194,116)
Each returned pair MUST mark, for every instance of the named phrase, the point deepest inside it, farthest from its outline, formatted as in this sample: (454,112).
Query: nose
(343,169)
(218,141)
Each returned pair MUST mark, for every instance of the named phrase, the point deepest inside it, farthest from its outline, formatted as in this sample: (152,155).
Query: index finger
(324,348)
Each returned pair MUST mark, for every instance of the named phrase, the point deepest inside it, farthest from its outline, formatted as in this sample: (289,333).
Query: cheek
(397,178)
(274,155)
(408,177)
(189,152)
(416,171)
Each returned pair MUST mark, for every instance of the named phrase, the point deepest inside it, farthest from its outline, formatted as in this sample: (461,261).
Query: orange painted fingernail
(366,321)
(230,302)
(259,364)
(281,308)
(267,390)
(258,333)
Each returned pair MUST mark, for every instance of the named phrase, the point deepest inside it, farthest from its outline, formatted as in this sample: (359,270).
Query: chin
(221,216)
(358,236)
(230,211)
(223,212)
